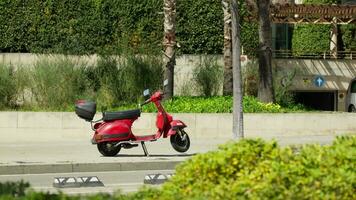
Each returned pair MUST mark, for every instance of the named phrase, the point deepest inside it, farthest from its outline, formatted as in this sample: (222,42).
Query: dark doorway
(317,100)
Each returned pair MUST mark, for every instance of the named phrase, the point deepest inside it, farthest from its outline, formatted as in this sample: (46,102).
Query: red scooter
(113,131)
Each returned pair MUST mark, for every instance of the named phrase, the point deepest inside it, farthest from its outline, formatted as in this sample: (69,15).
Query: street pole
(237,127)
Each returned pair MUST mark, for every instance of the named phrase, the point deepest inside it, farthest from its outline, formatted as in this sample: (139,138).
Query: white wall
(61,126)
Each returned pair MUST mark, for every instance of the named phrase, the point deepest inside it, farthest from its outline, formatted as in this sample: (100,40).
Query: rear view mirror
(146,93)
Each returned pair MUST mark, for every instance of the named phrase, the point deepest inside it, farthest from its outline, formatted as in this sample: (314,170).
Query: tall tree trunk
(265,89)
(333,40)
(228,77)
(237,127)
(169,43)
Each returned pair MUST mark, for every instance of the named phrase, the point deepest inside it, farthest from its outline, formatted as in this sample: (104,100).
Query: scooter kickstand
(144,148)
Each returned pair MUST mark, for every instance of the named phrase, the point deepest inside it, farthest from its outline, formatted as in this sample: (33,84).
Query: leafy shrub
(247,169)
(117,81)
(250,78)
(13,188)
(253,169)
(208,76)
(139,73)
(57,84)
(7,86)
(282,85)
(349,36)
(217,104)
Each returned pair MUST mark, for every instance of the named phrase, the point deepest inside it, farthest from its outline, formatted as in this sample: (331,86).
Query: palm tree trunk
(228,77)
(265,89)
(169,43)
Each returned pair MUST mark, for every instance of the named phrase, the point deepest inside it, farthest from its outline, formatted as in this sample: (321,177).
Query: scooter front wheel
(108,148)
(180,141)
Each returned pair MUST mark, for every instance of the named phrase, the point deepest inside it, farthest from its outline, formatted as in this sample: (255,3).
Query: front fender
(175,125)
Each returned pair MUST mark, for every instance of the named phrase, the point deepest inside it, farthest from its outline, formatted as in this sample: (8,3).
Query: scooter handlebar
(146,102)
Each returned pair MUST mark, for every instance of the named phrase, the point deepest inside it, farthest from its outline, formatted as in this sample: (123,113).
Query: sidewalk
(82,156)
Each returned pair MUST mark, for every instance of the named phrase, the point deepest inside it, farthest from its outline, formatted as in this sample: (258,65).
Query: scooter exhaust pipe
(126,145)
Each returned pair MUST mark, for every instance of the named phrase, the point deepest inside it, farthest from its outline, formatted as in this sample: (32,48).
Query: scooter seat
(127,114)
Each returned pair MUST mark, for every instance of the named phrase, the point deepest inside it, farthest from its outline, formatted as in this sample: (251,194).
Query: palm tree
(228,77)
(169,43)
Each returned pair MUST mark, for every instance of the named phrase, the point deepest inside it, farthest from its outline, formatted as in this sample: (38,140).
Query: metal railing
(348,55)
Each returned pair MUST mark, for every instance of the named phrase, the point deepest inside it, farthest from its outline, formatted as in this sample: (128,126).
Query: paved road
(125,171)
(125,181)
(81,151)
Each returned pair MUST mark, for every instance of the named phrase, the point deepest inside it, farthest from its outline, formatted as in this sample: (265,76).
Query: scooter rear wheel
(108,148)
(180,142)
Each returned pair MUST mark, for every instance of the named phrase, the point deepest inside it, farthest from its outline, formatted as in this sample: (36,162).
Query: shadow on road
(155,155)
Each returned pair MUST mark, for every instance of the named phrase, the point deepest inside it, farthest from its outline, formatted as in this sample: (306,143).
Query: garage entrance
(325,100)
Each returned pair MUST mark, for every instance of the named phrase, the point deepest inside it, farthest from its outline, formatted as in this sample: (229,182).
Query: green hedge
(217,104)
(349,37)
(248,169)
(8,189)
(254,169)
(101,26)
(77,26)
(312,39)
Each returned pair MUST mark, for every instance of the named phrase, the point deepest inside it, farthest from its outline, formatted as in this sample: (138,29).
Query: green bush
(208,76)
(139,73)
(217,104)
(13,188)
(250,78)
(97,26)
(282,85)
(253,169)
(56,84)
(349,37)
(247,169)
(7,86)
(117,81)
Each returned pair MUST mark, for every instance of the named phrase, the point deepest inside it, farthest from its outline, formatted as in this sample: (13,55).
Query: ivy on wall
(315,39)
(95,26)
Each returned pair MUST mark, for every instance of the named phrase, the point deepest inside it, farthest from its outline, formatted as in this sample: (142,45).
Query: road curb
(86,167)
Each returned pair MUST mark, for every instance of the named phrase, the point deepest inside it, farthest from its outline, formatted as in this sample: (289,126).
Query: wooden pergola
(313,14)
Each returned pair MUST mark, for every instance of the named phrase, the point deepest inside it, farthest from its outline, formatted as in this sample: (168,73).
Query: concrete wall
(337,73)
(182,78)
(63,126)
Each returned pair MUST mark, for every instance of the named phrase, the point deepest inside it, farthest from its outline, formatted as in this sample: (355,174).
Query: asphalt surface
(81,156)
(40,163)
(114,181)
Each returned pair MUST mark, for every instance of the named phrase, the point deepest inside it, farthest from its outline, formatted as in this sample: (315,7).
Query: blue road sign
(319,81)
